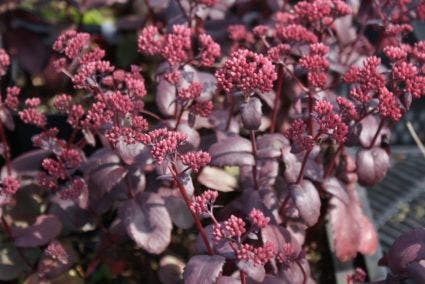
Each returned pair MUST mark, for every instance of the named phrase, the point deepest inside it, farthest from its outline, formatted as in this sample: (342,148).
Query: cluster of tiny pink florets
(195,160)
(56,251)
(246,71)
(201,203)
(176,47)
(163,142)
(330,122)
(10,185)
(4,61)
(31,115)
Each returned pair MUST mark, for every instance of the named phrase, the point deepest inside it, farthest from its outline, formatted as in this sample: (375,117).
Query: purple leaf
(416,271)
(271,145)
(7,119)
(203,269)
(28,48)
(251,114)
(11,263)
(252,270)
(407,248)
(292,166)
(179,213)
(232,151)
(45,228)
(292,274)
(227,280)
(147,221)
(307,201)
(29,163)
(372,165)
(369,126)
(278,236)
(103,172)
(71,215)
(221,247)
(133,153)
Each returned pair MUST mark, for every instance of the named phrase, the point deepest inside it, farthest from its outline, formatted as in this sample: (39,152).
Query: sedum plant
(248,144)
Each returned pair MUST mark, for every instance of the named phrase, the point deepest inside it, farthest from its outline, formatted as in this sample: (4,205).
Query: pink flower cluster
(201,203)
(196,160)
(10,185)
(246,71)
(12,100)
(258,219)
(321,10)
(330,122)
(163,142)
(176,47)
(31,115)
(259,255)
(4,61)
(73,190)
(316,64)
(233,227)
(295,33)
(210,50)
(56,251)
(192,92)
(287,255)
(71,43)
(297,133)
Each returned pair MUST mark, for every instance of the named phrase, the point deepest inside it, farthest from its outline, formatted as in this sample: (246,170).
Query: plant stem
(254,153)
(243,277)
(303,271)
(331,164)
(300,175)
(381,125)
(277,98)
(194,216)
(229,117)
(310,113)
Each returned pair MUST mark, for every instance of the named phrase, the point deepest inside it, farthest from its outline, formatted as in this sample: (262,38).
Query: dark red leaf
(45,228)
(271,145)
(232,151)
(372,165)
(203,269)
(251,114)
(252,270)
(307,201)
(407,248)
(147,221)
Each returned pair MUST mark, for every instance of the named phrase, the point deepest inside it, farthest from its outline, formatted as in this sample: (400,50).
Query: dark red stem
(194,216)
(254,154)
(303,271)
(229,117)
(310,113)
(277,98)
(300,175)
(381,125)
(243,277)
(332,162)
